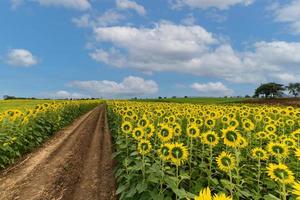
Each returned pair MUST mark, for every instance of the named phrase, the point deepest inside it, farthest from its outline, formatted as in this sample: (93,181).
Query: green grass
(21,104)
(200,100)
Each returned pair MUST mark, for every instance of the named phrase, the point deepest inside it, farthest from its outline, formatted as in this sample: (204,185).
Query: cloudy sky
(128,48)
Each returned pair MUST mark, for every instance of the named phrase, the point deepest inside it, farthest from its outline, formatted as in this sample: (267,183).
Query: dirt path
(76,164)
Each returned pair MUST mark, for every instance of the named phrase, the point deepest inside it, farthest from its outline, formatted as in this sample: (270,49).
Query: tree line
(272,90)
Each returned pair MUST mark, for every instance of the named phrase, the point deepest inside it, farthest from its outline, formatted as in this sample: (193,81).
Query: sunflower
(225,161)
(233,123)
(243,143)
(278,150)
(165,133)
(193,131)
(270,128)
(210,138)
(290,143)
(143,122)
(178,153)
(177,130)
(144,147)
(164,152)
(281,173)
(261,135)
(126,127)
(297,153)
(248,125)
(259,154)
(205,194)
(296,135)
(296,190)
(210,123)
(149,130)
(138,133)
(231,137)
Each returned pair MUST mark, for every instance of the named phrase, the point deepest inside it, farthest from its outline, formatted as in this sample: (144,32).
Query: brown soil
(75,164)
(281,101)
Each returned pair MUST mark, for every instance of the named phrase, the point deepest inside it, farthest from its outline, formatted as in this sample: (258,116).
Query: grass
(198,100)
(21,104)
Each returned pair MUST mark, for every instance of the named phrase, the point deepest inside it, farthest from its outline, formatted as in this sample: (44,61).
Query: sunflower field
(23,130)
(202,152)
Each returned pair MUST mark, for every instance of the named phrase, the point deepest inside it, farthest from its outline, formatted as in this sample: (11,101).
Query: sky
(142,48)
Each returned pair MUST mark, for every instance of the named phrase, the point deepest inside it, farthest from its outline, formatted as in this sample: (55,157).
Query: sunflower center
(193,131)
(165,151)
(277,149)
(143,122)
(138,133)
(281,173)
(177,152)
(211,138)
(209,122)
(126,127)
(231,136)
(226,161)
(145,146)
(259,154)
(164,132)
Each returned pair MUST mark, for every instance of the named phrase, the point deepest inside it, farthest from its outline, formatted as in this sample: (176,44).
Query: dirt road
(75,164)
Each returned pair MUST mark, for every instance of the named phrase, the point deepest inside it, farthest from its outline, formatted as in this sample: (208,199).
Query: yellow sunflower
(225,161)
(231,137)
(281,173)
(164,152)
(270,128)
(297,153)
(165,133)
(205,194)
(278,150)
(296,190)
(248,125)
(296,135)
(193,131)
(126,127)
(233,123)
(210,138)
(210,123)
(144,147)
(178,153)
(259,154)
(138,133)
(149,130)
(290,143)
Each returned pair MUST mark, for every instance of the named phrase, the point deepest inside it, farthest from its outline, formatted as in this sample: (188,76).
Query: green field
(21,104)
(200,100)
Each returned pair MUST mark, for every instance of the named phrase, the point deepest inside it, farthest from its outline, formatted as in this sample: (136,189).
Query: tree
(269,90)
(294,89)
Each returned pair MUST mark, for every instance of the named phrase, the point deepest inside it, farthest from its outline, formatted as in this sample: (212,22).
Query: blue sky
(128,48)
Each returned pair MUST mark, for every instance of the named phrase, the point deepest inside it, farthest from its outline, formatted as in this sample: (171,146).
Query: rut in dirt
(75,164)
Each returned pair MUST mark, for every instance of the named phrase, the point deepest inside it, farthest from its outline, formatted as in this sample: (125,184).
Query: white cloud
(189,20)
(62,94)
(205,4)
(83,21)
(72,4)
(21,58)
(212,89)
(127,4)
(16,3)
(289,13)
(109,17)
(193,50)
(130,86)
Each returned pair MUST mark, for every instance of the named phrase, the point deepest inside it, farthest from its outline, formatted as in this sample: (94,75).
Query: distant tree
(174,97)
(247,96)
(159,97)
(269,90)
(294,89)
(185,97)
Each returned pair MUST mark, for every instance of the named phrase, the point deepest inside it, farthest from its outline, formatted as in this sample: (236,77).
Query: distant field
(200,100)
(21,104)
